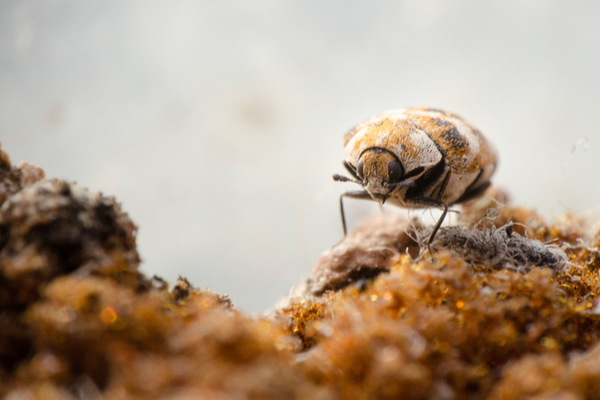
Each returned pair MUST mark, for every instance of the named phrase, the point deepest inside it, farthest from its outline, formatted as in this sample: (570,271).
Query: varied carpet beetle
(417,158)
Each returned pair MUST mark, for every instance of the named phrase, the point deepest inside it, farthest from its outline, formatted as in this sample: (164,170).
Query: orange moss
(302,312)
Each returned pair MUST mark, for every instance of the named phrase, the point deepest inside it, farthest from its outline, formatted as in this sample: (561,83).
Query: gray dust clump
(497,247)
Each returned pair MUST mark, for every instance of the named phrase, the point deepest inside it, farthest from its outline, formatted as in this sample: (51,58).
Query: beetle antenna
(341,178)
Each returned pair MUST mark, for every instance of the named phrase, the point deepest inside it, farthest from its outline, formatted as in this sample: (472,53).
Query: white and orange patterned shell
(421,138)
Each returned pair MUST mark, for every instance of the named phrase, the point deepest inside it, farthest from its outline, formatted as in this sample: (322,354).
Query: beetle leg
(443,186)
(352,171)
(393,186)
(355,194)
(431,203)
(436,227)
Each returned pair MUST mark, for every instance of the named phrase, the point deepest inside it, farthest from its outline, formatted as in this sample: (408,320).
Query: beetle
(417,158)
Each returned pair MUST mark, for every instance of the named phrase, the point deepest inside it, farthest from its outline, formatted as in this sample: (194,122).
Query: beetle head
(380,171)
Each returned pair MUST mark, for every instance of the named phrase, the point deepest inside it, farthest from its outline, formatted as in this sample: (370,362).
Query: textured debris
(496,247)
(50,228)
(15,178)
(377,319)
(54,227)
(361,255)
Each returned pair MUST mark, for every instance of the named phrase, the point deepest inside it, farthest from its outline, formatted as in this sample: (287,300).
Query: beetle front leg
(351,170)
(355,194)
(431,203)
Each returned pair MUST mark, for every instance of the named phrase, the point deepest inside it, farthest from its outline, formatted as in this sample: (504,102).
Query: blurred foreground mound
(508,309)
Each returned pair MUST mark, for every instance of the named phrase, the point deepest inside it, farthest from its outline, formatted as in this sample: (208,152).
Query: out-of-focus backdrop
(218,125)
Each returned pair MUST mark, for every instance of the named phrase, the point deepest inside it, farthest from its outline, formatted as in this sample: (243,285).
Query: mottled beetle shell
(431,144)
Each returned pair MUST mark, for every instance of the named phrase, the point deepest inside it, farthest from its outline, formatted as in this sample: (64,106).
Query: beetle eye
(360,167)
(395,171)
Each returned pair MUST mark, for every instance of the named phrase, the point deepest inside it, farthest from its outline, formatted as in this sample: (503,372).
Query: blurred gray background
(218,124)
